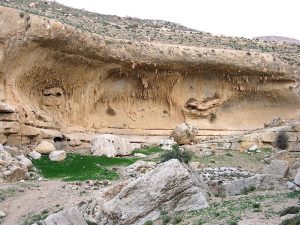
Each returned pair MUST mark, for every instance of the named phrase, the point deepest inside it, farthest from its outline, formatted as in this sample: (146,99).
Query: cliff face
(60,80)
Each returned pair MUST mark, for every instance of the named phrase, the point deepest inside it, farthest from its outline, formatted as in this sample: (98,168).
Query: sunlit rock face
(60,79)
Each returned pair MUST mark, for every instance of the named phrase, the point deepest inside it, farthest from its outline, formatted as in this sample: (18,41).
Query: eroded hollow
(76,91)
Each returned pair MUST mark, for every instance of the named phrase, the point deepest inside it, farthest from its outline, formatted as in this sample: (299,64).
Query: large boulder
(277,167)
(70,216)
(111,146)
(58,155)
(45,147)
(171,186)
(184,133)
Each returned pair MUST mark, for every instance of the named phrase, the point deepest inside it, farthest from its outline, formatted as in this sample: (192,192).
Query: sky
(245,18)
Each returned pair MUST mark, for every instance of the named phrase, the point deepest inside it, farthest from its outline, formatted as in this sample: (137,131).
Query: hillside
(279,39)
(134,29)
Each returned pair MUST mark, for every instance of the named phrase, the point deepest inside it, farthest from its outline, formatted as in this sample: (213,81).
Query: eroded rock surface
(170,186)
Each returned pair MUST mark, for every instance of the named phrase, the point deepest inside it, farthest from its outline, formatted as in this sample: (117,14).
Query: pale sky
(247,18)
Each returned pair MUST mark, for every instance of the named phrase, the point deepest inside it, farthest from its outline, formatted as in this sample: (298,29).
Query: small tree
(176,153)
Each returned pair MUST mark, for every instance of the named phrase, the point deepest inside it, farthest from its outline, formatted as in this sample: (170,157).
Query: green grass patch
(81,167)
(293,194)
(148,150)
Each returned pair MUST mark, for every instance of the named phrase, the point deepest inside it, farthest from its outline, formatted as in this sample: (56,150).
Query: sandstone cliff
(58,79)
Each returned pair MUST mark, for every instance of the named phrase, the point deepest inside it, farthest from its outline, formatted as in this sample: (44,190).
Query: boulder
(111,146)
(25,162)
(167,144)
(45,147)
(259,182)
(35,155)
(58,155)
(268,137)
(139,155)
(184,133)
(297,177)
(277,167)
(171,186)
(70,216)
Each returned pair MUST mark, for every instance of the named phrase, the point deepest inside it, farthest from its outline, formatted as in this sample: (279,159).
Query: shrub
(176,153)
(247,190)
(282,140)
(148,222)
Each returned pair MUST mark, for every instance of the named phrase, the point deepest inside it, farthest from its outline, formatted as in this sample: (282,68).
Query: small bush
(282,140)
(165,218)
(149,222)
(247,190)
(176,153)
(256,205)
(176,220)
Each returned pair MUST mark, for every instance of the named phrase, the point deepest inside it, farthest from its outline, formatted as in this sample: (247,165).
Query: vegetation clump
(176,153)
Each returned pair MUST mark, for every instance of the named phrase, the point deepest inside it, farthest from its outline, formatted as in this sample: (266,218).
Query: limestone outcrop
(171,186)
(57,80)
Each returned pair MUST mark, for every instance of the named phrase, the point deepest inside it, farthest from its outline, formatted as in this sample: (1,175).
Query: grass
(148,150)
(228,211)
(31,219)
(81,167)
(6,193)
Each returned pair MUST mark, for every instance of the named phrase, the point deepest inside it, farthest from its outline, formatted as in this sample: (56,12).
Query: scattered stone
(184,133)
(259,182)
(70,216)
(2,214)
(282,155)
(45,147)
(277,167)
(139,155)
(139,168)
(35,155)
(167,144)
(275,122)
(111,146)
(253,148)
(58,155)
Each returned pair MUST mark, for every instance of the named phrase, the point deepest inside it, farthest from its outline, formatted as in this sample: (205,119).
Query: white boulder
(111,146)
(58,155)
(34,155)
(45,147)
